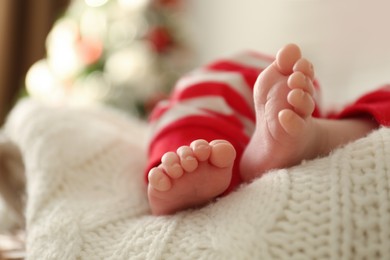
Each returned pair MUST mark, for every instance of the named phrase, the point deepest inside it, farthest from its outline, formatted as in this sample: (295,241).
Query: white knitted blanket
(87,199)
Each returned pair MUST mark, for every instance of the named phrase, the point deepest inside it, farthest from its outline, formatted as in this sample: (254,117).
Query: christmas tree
(126,53)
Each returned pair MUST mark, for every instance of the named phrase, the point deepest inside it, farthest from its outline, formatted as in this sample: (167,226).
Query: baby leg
(285,131)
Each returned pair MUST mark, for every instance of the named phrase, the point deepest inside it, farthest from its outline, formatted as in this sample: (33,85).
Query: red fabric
(375,105)
(209,88)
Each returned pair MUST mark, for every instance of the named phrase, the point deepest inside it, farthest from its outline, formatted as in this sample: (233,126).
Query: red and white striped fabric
(216,102)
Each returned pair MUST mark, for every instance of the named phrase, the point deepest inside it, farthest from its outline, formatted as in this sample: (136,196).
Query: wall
(347,40)
(23,29)
(6,12)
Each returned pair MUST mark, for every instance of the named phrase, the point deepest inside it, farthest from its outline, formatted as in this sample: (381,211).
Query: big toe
(222,154)
(291,122)
(287,57)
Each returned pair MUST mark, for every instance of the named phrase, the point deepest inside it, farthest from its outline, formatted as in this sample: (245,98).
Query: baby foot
(192,176)
(285,132)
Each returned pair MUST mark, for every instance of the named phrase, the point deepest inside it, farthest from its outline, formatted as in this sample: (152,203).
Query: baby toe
(201,149)
(187,158)
(291,122)
(158,180)
(298,80)
(223,153)
(301,101)
(304,66)
(171,164)
(287,57)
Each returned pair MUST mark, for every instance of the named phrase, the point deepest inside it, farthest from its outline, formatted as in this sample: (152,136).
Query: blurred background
(128,53)
(348,41)
(23,29)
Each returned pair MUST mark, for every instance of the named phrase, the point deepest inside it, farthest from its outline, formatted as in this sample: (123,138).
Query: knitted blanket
(87,198)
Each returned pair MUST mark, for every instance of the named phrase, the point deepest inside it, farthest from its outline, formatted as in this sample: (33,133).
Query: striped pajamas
(216,102)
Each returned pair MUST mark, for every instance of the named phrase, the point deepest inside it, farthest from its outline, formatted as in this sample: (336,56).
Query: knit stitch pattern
(87,198)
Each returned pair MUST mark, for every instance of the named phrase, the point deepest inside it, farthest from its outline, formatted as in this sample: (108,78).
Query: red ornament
(90,50)
(160,39)
(169,3)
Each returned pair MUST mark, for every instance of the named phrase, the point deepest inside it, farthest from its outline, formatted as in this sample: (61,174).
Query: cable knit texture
(87,198)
